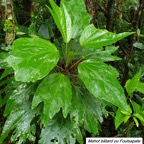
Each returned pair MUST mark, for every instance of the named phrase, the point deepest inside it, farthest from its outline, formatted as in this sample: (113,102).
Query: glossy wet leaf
(86,110)
(33,58)
(79,16)
(95,38)
(19,95)
(55,91)
(24,130)
(19,119)
(101,80)
(100,54)
(58,130)
(62,20)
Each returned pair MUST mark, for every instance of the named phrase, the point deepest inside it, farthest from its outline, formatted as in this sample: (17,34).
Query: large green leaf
(79,16)
(86,110)
(55,91)
(100,54)
(62,20)
(95,38)
(58,130)
(19,119)
(101,80)
(33,58)
(17,97)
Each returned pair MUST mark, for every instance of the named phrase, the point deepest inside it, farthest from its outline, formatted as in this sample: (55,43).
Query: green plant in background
(136,109)
(63,87)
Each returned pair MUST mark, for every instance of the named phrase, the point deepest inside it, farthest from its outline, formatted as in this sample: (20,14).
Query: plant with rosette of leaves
(65,85)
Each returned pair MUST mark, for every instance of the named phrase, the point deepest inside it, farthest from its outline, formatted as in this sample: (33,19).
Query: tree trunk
(92,8)
(9,23)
